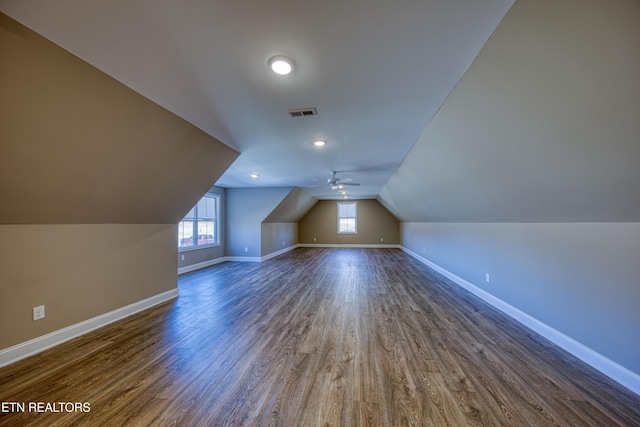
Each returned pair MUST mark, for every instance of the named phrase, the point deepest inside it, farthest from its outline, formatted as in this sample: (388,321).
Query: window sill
(195,248)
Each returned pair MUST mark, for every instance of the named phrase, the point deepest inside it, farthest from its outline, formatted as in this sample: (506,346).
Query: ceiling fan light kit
(339,183)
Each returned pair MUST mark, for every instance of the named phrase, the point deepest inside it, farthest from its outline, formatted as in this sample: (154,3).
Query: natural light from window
(347,217)
(200,226)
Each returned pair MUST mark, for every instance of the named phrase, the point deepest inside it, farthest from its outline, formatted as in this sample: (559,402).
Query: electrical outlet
(246,249)
(487,277)
(181,257)
(314,239)
(382,239)
(38,312)
(283,243)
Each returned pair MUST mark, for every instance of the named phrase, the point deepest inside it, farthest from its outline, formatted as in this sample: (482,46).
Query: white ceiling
(377,72)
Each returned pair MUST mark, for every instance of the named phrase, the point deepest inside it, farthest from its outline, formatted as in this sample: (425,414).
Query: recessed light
(281,65)
(345,197)
(254,175)
(340,186)
(319,143)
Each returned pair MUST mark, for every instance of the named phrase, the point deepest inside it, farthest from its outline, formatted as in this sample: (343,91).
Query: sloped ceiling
(78,147)
(293,207)
(250,206)
(246,209)
(376,70)
(543,127)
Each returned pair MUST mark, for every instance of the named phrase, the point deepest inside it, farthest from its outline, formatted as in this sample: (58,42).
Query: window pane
(207,208)
(347,225)
(206,232)
(191,214)
(347,217)
(347,209)
(185,234)
(200,226)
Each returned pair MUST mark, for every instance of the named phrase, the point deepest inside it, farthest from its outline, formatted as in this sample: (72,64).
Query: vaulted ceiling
(376,71)
(472,111)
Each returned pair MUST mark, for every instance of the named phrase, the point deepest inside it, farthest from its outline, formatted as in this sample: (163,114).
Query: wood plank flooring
(317,337)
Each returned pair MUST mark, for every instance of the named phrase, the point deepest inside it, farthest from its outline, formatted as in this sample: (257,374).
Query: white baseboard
(199,265)
(348,245)
(277,253)
(209,263)
(36,345)
(260,258)
(243,258)
(616,372)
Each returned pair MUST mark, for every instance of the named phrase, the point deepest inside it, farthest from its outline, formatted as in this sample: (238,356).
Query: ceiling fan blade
(349,183)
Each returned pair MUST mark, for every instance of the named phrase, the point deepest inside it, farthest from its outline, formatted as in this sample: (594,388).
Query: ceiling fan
(335,182)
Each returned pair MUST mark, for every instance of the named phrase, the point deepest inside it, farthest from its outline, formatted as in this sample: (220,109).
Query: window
(200,226)
(347,218)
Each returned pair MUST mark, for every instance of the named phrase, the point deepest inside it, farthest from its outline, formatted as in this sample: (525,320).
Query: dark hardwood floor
(331,337)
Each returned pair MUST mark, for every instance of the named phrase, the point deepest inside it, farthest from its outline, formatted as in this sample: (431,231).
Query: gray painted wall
(246,210)
(579,278)
(277,236)
(280,227)
(258,219)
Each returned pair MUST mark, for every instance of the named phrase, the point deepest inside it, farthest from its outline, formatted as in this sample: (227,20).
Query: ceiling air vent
(303,112)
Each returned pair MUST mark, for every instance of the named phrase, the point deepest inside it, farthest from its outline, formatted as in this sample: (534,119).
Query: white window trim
(218,197)
(355,217)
